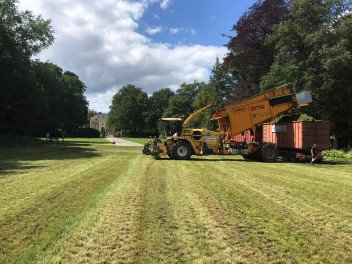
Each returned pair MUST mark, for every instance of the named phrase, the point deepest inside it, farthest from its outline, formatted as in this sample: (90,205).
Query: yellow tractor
(182,141)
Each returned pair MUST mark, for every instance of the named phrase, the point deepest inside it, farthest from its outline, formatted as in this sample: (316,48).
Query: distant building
(98,122)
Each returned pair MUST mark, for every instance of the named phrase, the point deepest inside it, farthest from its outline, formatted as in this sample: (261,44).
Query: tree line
(303,42)
(35,97)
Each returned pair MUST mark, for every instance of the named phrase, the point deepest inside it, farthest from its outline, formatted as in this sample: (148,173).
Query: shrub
(338,154)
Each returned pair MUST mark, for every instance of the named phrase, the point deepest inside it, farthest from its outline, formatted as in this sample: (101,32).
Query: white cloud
(156,16)
(193,31)
(99,41)
(153,30)
(175,30)
(165,4)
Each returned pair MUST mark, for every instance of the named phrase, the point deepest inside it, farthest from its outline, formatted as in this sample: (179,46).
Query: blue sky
(194,21)
(152,44)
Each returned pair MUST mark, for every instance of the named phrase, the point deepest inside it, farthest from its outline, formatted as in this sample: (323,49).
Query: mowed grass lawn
(85,201)
(138,140)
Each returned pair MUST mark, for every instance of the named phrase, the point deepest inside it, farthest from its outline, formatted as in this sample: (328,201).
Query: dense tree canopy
(250,57)
(217,93)
(35,97)
(31,33)
(314,52)
(181,105)
(158,103)
(64,105)
(128,110)
(18,87)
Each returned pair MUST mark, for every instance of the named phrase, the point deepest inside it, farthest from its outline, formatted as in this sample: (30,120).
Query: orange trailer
(294,140)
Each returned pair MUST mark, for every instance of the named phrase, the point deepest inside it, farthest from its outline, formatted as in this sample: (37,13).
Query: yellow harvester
(182,142)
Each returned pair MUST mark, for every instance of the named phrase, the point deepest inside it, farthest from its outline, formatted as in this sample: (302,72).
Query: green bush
(338,154)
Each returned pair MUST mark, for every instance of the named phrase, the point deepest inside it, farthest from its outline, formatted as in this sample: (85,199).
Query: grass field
(85,201)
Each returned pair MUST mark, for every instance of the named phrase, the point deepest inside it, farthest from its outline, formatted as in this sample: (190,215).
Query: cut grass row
(88,202)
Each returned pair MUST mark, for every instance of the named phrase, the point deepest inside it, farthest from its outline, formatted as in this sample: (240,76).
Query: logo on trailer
(257,107)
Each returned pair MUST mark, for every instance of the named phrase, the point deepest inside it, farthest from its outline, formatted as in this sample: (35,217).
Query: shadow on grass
(324,162)
(211,159)
(336,162)
(8,168)
(82,141)
(20,158)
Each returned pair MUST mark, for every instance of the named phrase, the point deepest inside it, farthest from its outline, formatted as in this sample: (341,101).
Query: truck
(183,141)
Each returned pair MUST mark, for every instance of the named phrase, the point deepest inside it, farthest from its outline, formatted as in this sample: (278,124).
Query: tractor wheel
(147,151)
(181,151)
(155,153)
(269,153)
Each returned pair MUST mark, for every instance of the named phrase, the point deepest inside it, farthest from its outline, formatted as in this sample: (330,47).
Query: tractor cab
(171,126)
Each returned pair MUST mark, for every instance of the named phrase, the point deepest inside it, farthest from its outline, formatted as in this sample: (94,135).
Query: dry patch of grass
(84,202)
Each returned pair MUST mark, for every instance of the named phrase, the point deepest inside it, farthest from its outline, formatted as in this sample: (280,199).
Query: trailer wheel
(181,151)
(285,156)
(269,153)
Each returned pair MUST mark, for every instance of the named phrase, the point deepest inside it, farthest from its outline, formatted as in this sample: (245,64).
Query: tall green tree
(75,104)
(21,35)
(158,102)
(250,57)
(217,93)
(18,89)
(48,76)
(314,52)
(129,110)
(181,105)
(63,104)
(32,33)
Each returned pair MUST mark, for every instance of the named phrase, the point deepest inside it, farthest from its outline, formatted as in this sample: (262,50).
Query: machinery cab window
(171,126)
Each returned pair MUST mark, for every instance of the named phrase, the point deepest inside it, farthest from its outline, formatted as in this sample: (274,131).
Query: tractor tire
(285,156)
(181,151)
(147,151)
(155,153)
(269,153)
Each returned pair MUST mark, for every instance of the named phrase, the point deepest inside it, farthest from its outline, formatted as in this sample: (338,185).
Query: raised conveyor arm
(188,120)
(264,107)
